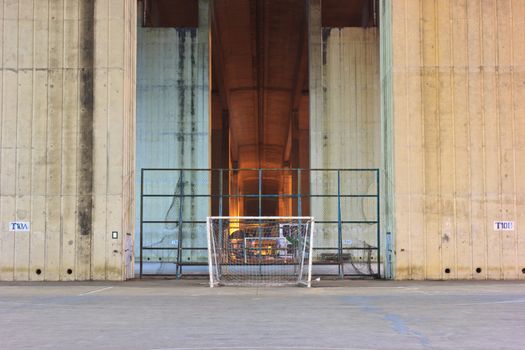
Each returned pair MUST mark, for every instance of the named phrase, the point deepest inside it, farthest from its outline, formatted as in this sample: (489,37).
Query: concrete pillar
(67,121)
(458,104)
(387,142)
(344,129)
(173,122)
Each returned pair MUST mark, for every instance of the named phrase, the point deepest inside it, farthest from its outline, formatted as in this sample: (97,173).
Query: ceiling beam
(224,94)
(300,74)
(260,52)
(219,62)
(171,13)
(347,13)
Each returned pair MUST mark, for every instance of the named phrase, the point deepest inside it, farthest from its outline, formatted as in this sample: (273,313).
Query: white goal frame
(212,258)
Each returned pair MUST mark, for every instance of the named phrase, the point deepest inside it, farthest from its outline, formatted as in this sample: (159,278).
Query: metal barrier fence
(345,204)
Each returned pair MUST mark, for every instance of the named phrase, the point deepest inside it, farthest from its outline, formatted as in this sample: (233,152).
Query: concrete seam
(2,117)
(437,117)
(77,144)
(61,250)
(498,140)
(47,140)
(409,233)
(453,102)
(31,143)
(483,142)
(422,117)
(515,199)
(108,84)
(16,135)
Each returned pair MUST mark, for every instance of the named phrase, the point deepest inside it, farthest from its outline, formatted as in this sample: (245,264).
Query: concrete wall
(457,79)
(173,120)
(345,130)
(346,134)
(66,161)
(459,104)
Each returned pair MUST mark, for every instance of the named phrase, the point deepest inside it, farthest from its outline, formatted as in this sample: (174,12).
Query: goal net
(263,251)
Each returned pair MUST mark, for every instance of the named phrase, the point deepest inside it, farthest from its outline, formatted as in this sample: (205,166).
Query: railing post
(220,192)
(259,226)
(260,192)
(299,198)
(299,208)
(339,226)
(141,219)
(179,243)
(220,212)
(378,219)
(388,262)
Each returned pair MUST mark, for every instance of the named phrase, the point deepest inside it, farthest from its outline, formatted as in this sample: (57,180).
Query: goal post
(260,251)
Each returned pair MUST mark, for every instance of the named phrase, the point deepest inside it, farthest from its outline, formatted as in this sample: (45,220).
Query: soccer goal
(264,251)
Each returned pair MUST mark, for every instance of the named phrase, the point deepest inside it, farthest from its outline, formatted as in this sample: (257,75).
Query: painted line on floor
(492,302)
(257,348)
(95,291)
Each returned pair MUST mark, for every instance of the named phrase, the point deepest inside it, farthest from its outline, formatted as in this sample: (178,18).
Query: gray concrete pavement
(168,314)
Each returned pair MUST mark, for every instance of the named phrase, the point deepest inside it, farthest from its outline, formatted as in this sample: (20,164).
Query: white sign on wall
(19,226)
(503,225)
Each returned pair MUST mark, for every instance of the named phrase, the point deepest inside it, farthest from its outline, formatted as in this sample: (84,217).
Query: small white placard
(347,241)
(175,242)
(503,225)
(19,226)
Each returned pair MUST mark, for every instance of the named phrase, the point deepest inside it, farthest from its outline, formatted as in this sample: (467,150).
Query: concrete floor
(168,314)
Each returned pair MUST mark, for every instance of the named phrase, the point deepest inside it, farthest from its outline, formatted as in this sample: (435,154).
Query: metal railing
(332,194)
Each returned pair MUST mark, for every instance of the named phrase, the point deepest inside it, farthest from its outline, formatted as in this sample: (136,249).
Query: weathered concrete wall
(346,133)
(173,123)
(66,164)
(459,104)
